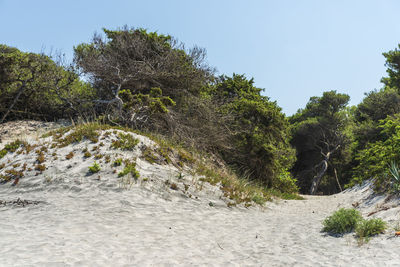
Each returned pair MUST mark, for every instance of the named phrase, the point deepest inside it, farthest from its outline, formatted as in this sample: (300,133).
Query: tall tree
(259,132)
(321,140)
(34,86)
(133,61)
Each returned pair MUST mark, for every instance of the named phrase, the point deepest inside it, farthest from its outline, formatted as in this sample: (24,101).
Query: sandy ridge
(83,221)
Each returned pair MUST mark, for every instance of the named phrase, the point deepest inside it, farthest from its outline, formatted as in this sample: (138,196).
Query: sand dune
(76,219)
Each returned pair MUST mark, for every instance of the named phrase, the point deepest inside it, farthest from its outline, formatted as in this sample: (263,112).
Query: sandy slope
(81,220)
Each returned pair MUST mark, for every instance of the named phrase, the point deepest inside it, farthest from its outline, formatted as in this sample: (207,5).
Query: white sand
(86,221)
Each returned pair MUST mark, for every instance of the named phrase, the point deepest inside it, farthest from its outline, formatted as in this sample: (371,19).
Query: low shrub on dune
(342,221)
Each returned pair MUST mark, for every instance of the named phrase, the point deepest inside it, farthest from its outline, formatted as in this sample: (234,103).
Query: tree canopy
(34,86)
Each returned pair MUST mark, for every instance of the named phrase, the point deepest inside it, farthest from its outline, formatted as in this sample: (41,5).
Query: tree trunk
(337,180)
(317,178)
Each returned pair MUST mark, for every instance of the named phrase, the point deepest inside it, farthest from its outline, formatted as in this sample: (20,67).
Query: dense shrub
(342,221)
(259,135)
(374,160)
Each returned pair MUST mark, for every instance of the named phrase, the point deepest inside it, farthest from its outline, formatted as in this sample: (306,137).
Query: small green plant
(94,168)
(367,228)
(342,221)
(125,142)
(87,154)
(11,147)
(130,167)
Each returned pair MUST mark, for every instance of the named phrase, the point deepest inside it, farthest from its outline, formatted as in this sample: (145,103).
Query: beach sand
(72,218)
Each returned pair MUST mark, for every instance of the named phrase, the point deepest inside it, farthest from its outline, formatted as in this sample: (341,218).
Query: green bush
(367,228)
(374,159)
(342,221)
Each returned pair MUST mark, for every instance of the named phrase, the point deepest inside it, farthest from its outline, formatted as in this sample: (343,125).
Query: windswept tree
(140,73)
(321,138)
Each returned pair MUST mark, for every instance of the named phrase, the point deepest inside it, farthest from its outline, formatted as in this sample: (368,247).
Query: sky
(294,49)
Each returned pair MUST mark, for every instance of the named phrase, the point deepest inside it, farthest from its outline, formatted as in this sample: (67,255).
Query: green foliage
(367,228)
(38,85)
(286,183)
(154,102)
(393,69)
(69,135)
(376,106)
(164,73)
(11,147)
(125,142)
(94,168)
(322,132)
(342,221)
(375,158)
(260,131)
(130,168)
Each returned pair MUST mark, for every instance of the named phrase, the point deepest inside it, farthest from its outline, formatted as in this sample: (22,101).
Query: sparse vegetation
(367,228)
(40,156)
(11,147)
(130,168)
(125,142)
(40,167)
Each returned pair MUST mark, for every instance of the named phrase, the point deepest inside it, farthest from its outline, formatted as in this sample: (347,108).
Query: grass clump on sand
(367,228)
(125,142)
(342,221)
(130,167)
(237,190)
(94,168)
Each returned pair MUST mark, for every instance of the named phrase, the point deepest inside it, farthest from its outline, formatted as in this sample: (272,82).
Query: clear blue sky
(294,49)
